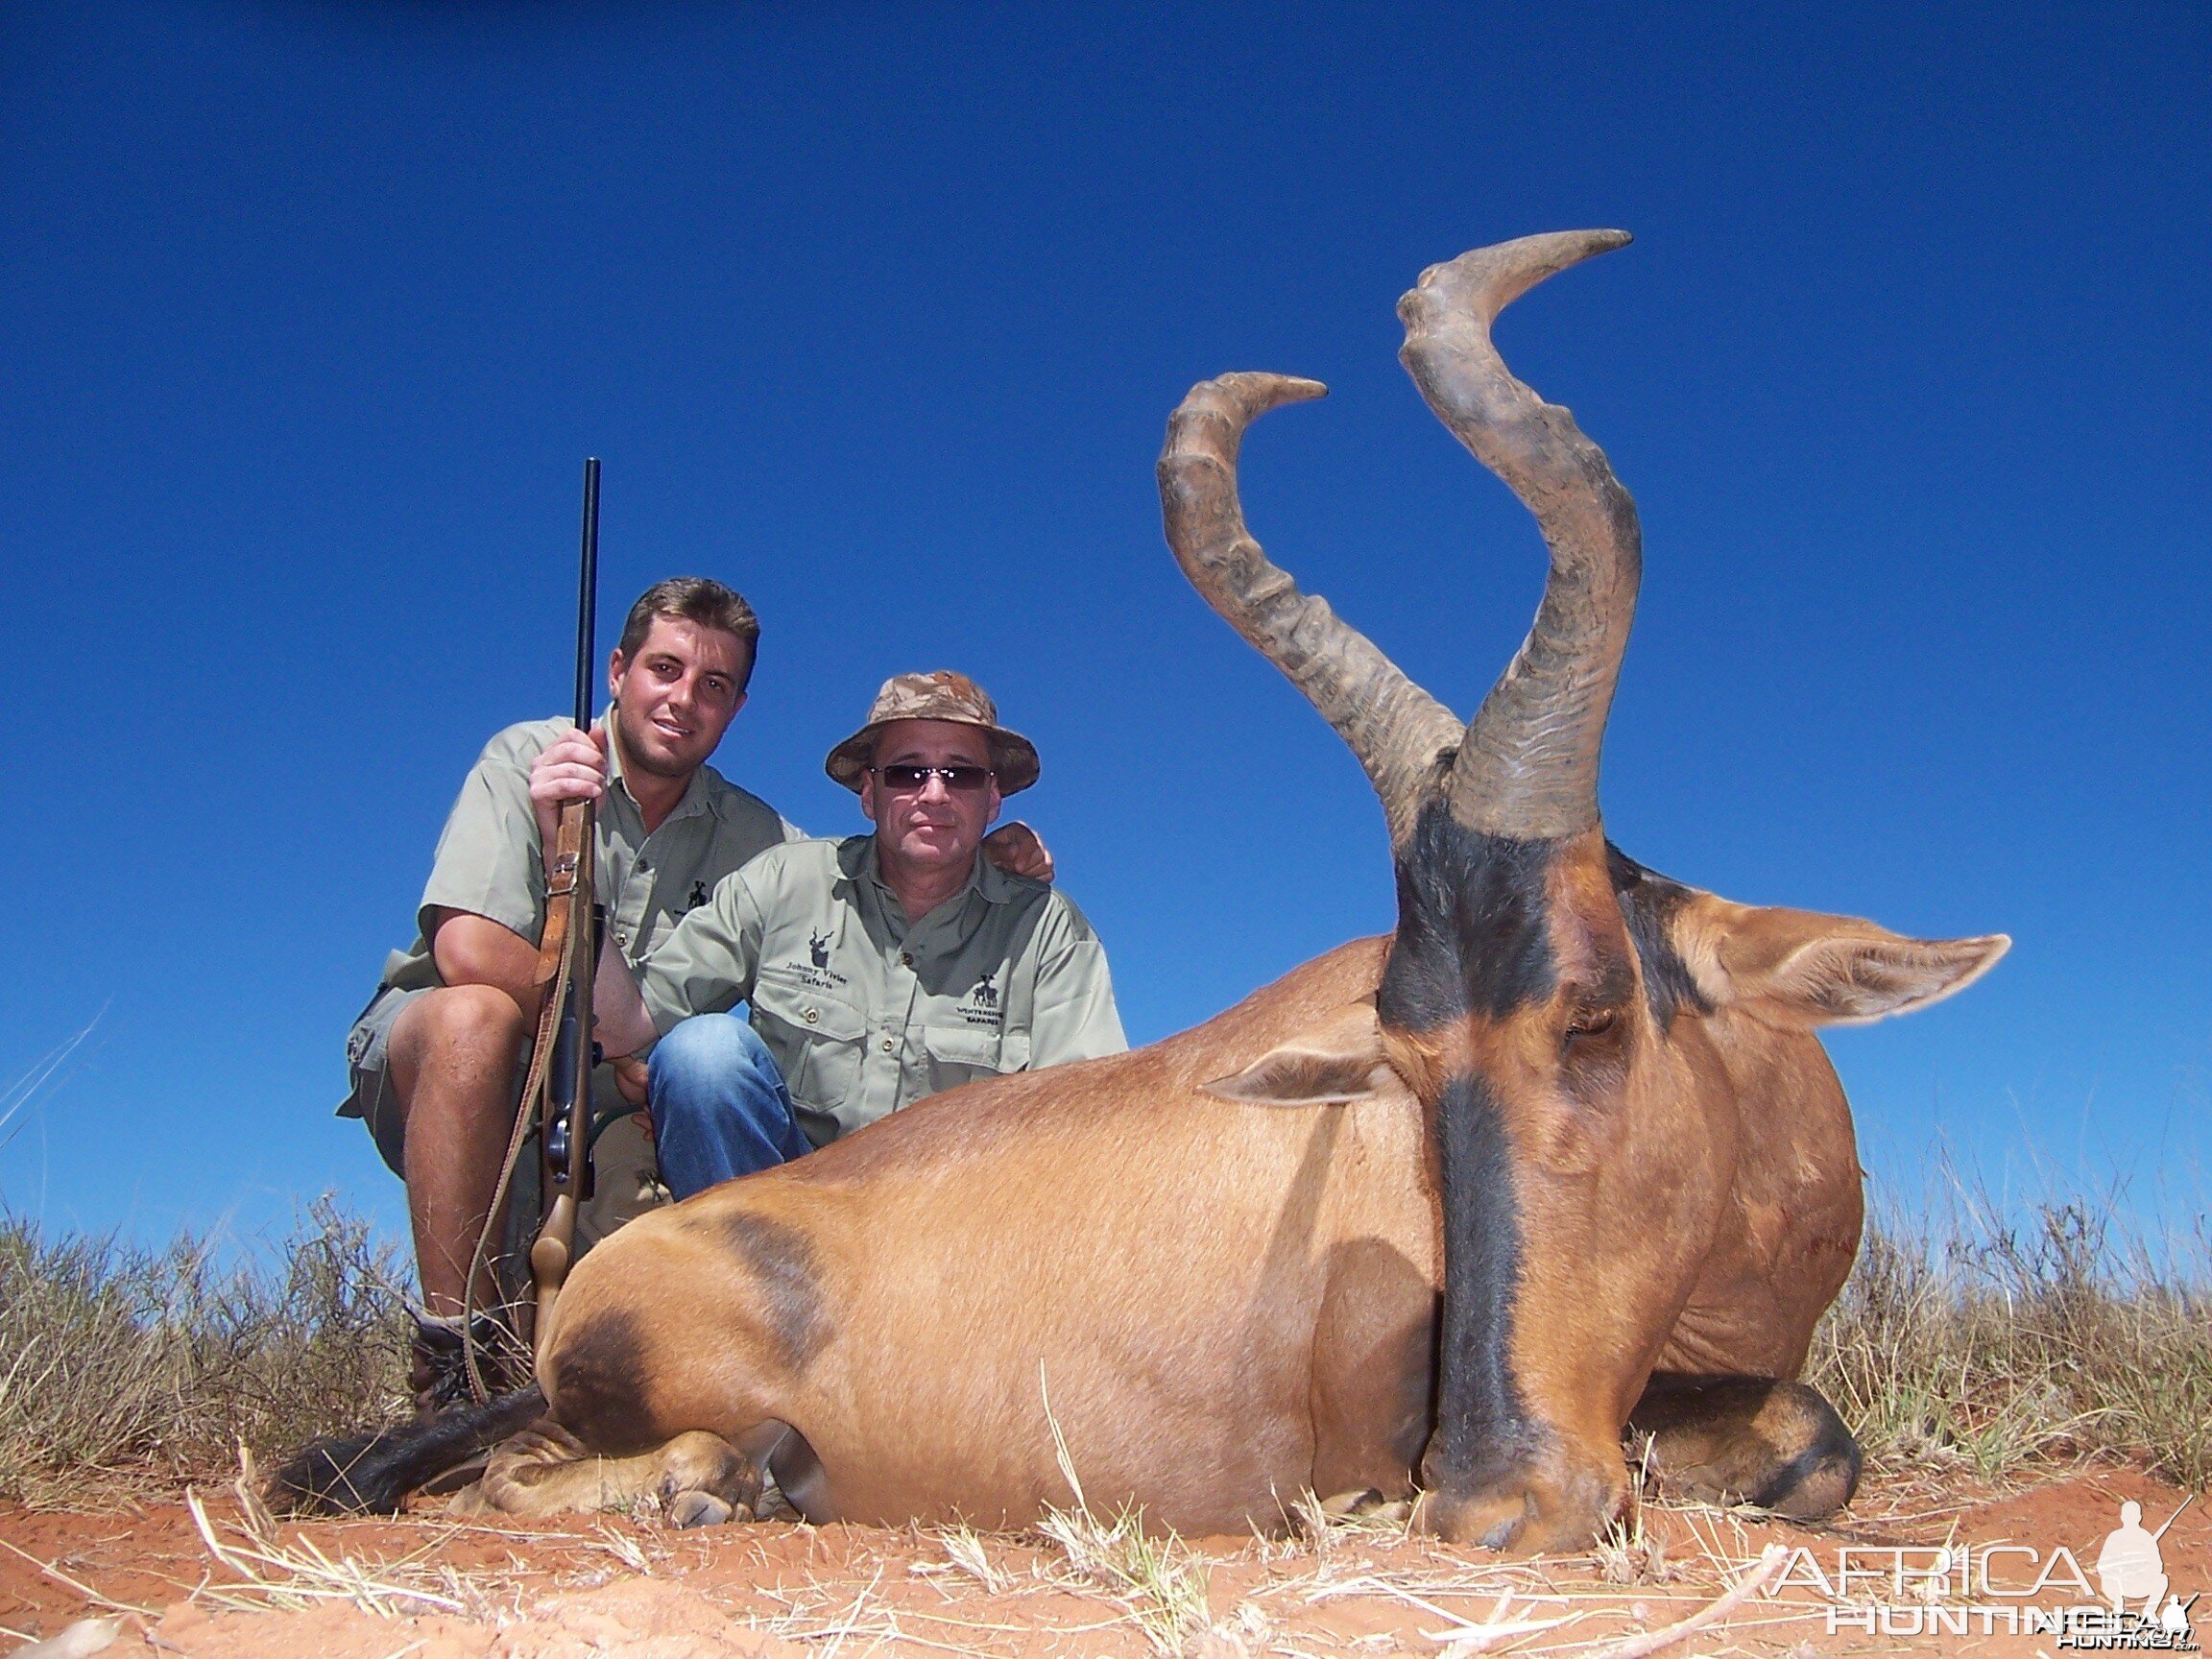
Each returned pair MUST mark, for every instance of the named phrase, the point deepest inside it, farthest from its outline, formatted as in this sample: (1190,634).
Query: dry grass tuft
(1629,1552)
(2002,1345)
(966,1552)
(262,1569)
(118,1360)
(1161,1583)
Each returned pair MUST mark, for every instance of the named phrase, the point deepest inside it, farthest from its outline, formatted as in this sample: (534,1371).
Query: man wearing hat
(878,969)
(437,1057)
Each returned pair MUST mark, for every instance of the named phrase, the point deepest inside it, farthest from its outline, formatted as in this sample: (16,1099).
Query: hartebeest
(1444,1211)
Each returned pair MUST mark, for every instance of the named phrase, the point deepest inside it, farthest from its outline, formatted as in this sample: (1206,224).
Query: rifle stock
(565,968)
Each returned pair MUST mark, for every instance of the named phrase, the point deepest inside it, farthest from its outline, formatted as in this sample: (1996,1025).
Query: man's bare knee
(457,1019)
(459,1046)
(471,1013)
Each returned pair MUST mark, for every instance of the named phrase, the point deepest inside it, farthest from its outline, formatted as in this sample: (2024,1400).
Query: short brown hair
(699,599)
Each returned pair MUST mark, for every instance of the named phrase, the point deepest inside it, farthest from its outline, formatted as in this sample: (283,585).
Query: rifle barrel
(587,597)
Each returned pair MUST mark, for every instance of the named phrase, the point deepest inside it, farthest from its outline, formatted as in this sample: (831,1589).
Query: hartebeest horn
(1529,765)
(1400,734)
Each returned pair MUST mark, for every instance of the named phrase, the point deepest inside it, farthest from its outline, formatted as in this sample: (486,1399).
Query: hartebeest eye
(1586,1023)
(1593,1050)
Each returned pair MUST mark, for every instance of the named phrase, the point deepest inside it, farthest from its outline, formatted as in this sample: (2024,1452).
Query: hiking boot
(437,1369)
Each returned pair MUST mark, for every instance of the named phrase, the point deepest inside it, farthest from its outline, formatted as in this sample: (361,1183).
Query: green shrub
(2002,1343)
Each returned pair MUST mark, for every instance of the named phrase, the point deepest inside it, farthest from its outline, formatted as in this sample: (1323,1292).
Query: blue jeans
(719,1105)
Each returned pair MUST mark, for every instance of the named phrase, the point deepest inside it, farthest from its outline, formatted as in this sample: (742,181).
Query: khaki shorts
(371,1096)
(627,1179)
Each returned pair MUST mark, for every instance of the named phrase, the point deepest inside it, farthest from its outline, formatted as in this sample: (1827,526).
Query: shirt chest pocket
(816,1039)
(960,1054)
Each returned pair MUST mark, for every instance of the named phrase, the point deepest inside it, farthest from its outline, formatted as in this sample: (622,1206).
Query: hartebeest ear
(1801,968)
(1331,1063)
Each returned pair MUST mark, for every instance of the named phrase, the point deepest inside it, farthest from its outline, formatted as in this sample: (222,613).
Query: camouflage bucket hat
(940,696)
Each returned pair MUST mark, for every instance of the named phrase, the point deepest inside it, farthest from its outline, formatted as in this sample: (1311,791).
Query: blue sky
(877,312)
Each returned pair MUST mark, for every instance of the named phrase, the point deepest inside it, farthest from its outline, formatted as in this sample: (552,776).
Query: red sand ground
(624,1589)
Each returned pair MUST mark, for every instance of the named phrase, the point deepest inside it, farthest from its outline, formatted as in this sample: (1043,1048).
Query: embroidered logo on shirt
(980,1006)
(816,971)
(698,896)
(808,975)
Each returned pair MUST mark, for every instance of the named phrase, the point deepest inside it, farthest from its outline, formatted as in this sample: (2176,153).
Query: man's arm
(619,1020)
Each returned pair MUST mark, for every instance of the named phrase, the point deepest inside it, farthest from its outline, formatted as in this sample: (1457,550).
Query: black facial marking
(781,1260)
(1647,905)
(1482,1430)
(600,1389)
(1472,936)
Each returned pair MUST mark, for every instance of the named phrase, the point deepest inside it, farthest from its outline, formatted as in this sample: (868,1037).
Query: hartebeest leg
(1374,1366)
(697,1479)
(1777,1445)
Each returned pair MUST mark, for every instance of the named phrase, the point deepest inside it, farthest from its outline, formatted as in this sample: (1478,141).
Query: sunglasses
(960,780)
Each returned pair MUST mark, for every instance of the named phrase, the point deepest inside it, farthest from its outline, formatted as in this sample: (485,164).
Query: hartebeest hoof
(698,1509)
(1531,1511)
(696,1479)
(1773,1444)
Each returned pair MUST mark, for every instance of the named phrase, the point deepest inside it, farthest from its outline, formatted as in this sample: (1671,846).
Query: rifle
(557,1090)
(567,954)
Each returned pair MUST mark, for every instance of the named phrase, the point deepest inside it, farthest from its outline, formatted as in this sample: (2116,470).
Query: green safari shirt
(866,1011)
(489,861)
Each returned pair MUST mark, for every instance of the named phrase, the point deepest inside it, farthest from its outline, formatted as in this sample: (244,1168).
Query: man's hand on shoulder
(573,767)
(1019,851)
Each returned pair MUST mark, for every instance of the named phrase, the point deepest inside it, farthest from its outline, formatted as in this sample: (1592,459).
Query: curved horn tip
(1488,280)
(1228,404)
(1254,392)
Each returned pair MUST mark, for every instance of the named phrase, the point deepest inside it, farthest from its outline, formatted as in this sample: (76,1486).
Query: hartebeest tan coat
(1439,1213)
